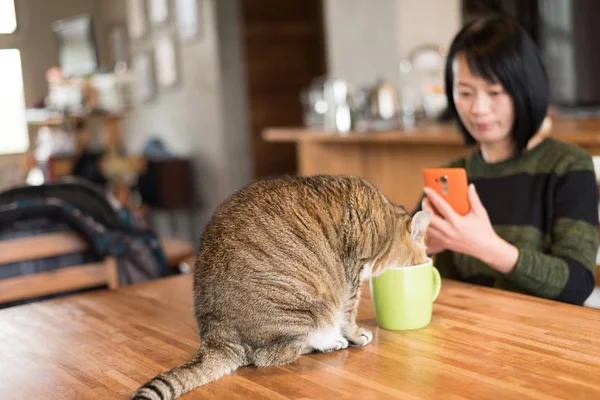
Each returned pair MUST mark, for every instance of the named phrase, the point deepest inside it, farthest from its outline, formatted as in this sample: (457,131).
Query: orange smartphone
(451,184)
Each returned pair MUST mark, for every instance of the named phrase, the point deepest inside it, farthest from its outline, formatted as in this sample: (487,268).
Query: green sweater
(544,202)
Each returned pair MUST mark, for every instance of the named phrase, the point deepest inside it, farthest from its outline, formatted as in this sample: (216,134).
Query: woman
(533,224)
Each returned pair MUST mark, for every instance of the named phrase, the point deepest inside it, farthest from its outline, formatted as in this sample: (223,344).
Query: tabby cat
(279,273)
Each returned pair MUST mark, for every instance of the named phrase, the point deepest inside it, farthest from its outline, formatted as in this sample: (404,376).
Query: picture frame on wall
(77,45)
(166,60)
(144,76)
(159,12)
(137,26)
(189,15)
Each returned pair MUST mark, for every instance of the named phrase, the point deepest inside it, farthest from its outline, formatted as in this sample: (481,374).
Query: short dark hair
(500,50)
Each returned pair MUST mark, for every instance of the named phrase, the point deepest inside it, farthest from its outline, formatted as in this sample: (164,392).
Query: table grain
(481,344)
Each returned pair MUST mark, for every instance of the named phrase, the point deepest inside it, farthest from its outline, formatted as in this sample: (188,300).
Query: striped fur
(279,272)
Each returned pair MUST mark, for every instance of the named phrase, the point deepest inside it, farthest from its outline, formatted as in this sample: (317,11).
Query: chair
(67,279)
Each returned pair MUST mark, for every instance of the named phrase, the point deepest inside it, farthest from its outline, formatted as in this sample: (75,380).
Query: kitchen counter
(393,160)
(580,132)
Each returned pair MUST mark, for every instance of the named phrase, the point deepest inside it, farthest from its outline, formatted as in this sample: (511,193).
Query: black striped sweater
(544,202)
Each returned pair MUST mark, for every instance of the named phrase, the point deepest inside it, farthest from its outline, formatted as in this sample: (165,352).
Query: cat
(279,271)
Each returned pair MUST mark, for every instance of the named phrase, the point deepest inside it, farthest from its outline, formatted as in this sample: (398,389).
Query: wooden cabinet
(283,52)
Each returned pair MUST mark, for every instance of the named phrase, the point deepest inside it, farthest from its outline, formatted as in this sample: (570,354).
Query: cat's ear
(419,225)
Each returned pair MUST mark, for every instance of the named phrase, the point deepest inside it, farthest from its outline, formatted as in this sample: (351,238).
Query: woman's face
(484,108)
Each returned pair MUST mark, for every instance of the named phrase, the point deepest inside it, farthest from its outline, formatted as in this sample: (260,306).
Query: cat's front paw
(362,337)
(339,344)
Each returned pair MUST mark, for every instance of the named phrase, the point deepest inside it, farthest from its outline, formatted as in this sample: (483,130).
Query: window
(8,18)
(13,125)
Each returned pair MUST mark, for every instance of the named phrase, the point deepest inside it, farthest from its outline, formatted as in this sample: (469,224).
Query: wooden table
(481,344)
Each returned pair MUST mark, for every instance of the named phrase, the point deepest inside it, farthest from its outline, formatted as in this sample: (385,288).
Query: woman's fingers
(435,234)
(426,206)
(441,225)
(436,240)
(436,221)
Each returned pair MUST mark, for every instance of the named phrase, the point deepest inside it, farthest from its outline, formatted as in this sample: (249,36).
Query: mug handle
(437,282)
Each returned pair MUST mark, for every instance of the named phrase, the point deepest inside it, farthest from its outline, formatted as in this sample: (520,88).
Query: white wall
(425,22)
(234,97)
(367,38)
(360,40)
(204,116)
(187,116)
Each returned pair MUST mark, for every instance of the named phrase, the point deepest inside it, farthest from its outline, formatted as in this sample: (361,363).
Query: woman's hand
(471,234)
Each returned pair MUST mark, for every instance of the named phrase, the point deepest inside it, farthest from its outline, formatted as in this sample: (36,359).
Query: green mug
(403,296)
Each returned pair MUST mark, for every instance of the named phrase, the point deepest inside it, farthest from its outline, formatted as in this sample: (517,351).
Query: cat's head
(409,243)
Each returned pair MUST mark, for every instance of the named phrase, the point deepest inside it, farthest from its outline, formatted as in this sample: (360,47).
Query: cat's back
(289,198)
(290,213)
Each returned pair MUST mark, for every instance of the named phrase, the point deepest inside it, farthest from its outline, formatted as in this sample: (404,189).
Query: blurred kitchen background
(167,103)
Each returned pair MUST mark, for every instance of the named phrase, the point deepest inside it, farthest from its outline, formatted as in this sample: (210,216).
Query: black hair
(500,51)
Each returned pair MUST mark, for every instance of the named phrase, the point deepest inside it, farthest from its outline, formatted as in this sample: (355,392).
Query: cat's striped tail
(209,364)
